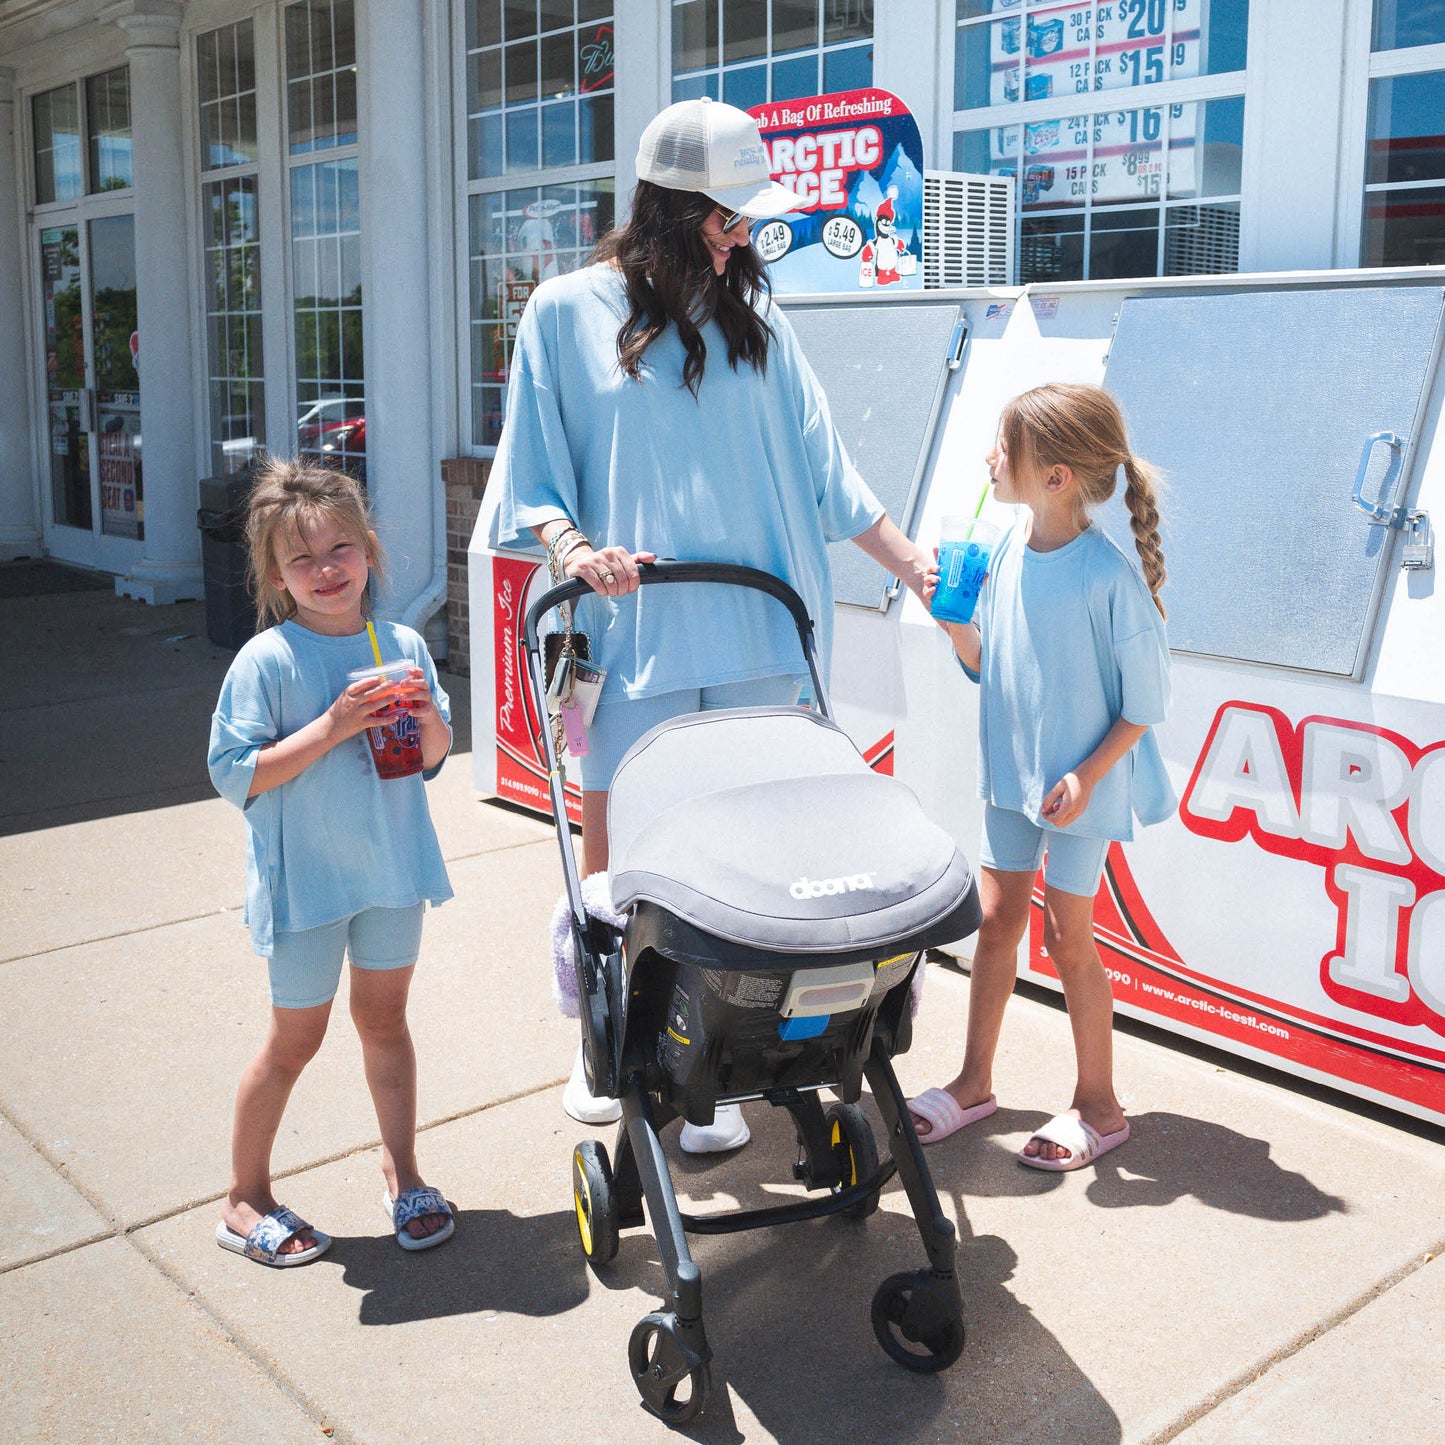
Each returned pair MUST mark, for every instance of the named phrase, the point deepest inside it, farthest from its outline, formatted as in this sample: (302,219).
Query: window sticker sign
(1080,51)
(855,162)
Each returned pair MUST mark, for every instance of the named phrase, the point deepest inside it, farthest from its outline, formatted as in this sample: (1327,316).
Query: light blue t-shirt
(1072,641)
(337,838)
(750,471)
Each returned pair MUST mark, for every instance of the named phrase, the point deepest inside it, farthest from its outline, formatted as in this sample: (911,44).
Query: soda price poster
(855,162)
(1086,50)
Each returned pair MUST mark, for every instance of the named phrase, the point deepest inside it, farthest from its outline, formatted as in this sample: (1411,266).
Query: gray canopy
(765,827)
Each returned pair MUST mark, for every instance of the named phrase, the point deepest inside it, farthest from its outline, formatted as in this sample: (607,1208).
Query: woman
(659,405)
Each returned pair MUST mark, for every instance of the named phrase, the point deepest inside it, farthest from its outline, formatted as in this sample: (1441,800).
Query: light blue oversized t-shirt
(751,471)
(1072,641)
(337,838)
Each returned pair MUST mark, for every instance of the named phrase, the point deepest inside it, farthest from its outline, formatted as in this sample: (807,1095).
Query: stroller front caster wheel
(852,1139)
(916,1323)
(595,1201)
(673,1380)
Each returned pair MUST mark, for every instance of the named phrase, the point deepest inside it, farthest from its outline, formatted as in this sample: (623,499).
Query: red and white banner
(1326,835)
(521,767)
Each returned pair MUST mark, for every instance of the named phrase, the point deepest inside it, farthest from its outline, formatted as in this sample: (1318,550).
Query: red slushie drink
(395,739)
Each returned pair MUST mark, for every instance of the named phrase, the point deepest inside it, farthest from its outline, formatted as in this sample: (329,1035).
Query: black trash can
(230,609)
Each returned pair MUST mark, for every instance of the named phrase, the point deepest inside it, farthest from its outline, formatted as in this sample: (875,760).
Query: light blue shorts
(1013,843)
(306,965)
(617,725)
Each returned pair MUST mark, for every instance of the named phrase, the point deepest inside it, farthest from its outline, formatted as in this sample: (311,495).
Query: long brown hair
(1081,427)
(287,499)
(667,269)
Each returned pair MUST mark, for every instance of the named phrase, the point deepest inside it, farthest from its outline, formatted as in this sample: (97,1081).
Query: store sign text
(817,167)
(1367,806)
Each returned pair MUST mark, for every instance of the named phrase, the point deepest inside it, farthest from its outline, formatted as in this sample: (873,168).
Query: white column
(169,568)
(19,520)
(913,57)
(643,42)
(1298,56)
(403,470)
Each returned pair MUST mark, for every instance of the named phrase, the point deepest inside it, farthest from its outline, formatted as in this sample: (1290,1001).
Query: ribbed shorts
(305,965)
(1013,843)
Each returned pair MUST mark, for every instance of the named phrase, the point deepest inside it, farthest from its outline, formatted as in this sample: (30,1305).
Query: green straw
(982,498)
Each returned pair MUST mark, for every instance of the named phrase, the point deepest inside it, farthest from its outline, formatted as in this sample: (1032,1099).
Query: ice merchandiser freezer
(1293,911)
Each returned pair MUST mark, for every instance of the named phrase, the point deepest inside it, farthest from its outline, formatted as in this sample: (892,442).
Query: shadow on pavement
(116,711)
(1168,1157)
(498,1261)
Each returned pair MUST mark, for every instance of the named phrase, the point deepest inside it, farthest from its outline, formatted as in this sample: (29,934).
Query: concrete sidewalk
(1255,1266)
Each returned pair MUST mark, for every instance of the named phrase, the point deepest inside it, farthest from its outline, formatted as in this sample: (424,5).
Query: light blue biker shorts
(306,965)
(617,725)
(1013,843)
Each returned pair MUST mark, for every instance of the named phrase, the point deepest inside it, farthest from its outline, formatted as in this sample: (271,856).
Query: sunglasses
(730,219)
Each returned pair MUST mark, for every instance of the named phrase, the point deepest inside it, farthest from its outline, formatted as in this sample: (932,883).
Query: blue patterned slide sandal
(268,1235)
(413,1204)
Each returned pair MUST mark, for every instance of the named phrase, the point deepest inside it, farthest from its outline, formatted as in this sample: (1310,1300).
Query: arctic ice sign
(1367,806)
(855,162)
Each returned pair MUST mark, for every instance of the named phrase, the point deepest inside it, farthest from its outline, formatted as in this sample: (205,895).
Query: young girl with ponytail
(1069,647)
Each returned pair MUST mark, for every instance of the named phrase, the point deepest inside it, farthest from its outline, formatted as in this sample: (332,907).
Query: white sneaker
(728,1130)
(584,1107)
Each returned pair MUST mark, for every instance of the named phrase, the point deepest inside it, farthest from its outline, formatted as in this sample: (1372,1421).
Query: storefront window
(1404,223)
(320,75)
(55,116)
(750,51)
(107,112)
(231,238)
(1145,192)
(1103,193)
(540,166)
(325,233)
(1403,23)
(226,84)
(518,238)
(539,85)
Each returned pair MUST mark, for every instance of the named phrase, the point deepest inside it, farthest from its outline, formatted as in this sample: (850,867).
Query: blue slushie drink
(964,551)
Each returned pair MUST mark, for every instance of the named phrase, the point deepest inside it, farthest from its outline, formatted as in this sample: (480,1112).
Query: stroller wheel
(674,1381)
(852,1139)
(916,1323)
(595,1201)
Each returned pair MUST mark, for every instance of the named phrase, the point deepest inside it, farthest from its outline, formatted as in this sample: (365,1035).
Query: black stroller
(779,897)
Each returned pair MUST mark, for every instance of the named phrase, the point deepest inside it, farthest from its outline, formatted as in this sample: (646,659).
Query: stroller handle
(651,573)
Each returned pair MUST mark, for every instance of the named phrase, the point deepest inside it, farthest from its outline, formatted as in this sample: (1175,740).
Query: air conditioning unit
(968,230)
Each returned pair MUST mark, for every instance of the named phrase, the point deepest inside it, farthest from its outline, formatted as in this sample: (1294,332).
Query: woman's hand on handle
(610,571)
(905,559)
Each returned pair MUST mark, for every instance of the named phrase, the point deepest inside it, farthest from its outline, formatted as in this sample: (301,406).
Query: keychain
(573,685)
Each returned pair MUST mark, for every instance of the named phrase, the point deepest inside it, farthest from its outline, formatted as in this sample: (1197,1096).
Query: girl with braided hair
(1070,651)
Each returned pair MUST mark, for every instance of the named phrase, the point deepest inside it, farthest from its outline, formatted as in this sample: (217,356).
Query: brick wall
(465,479)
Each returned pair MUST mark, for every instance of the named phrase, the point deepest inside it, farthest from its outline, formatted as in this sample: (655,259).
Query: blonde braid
(1141,499)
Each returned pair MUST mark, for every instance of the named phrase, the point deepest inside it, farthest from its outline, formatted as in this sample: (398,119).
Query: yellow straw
(375,647)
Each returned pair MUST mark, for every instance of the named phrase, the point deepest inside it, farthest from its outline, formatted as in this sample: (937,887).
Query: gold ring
(609,577)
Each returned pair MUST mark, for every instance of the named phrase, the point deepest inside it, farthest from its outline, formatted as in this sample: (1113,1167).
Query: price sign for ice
(1079,51)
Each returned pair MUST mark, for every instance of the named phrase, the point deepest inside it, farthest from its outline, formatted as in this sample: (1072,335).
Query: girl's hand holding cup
(362,705)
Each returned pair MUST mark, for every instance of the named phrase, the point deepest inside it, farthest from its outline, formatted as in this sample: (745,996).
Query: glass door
(66,379)
(116,367)
(92,390)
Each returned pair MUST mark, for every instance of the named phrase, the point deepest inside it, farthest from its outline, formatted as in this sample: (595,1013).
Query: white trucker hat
(708,146)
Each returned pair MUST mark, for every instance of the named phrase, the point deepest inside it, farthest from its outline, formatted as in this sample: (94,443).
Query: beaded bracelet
(554,562)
